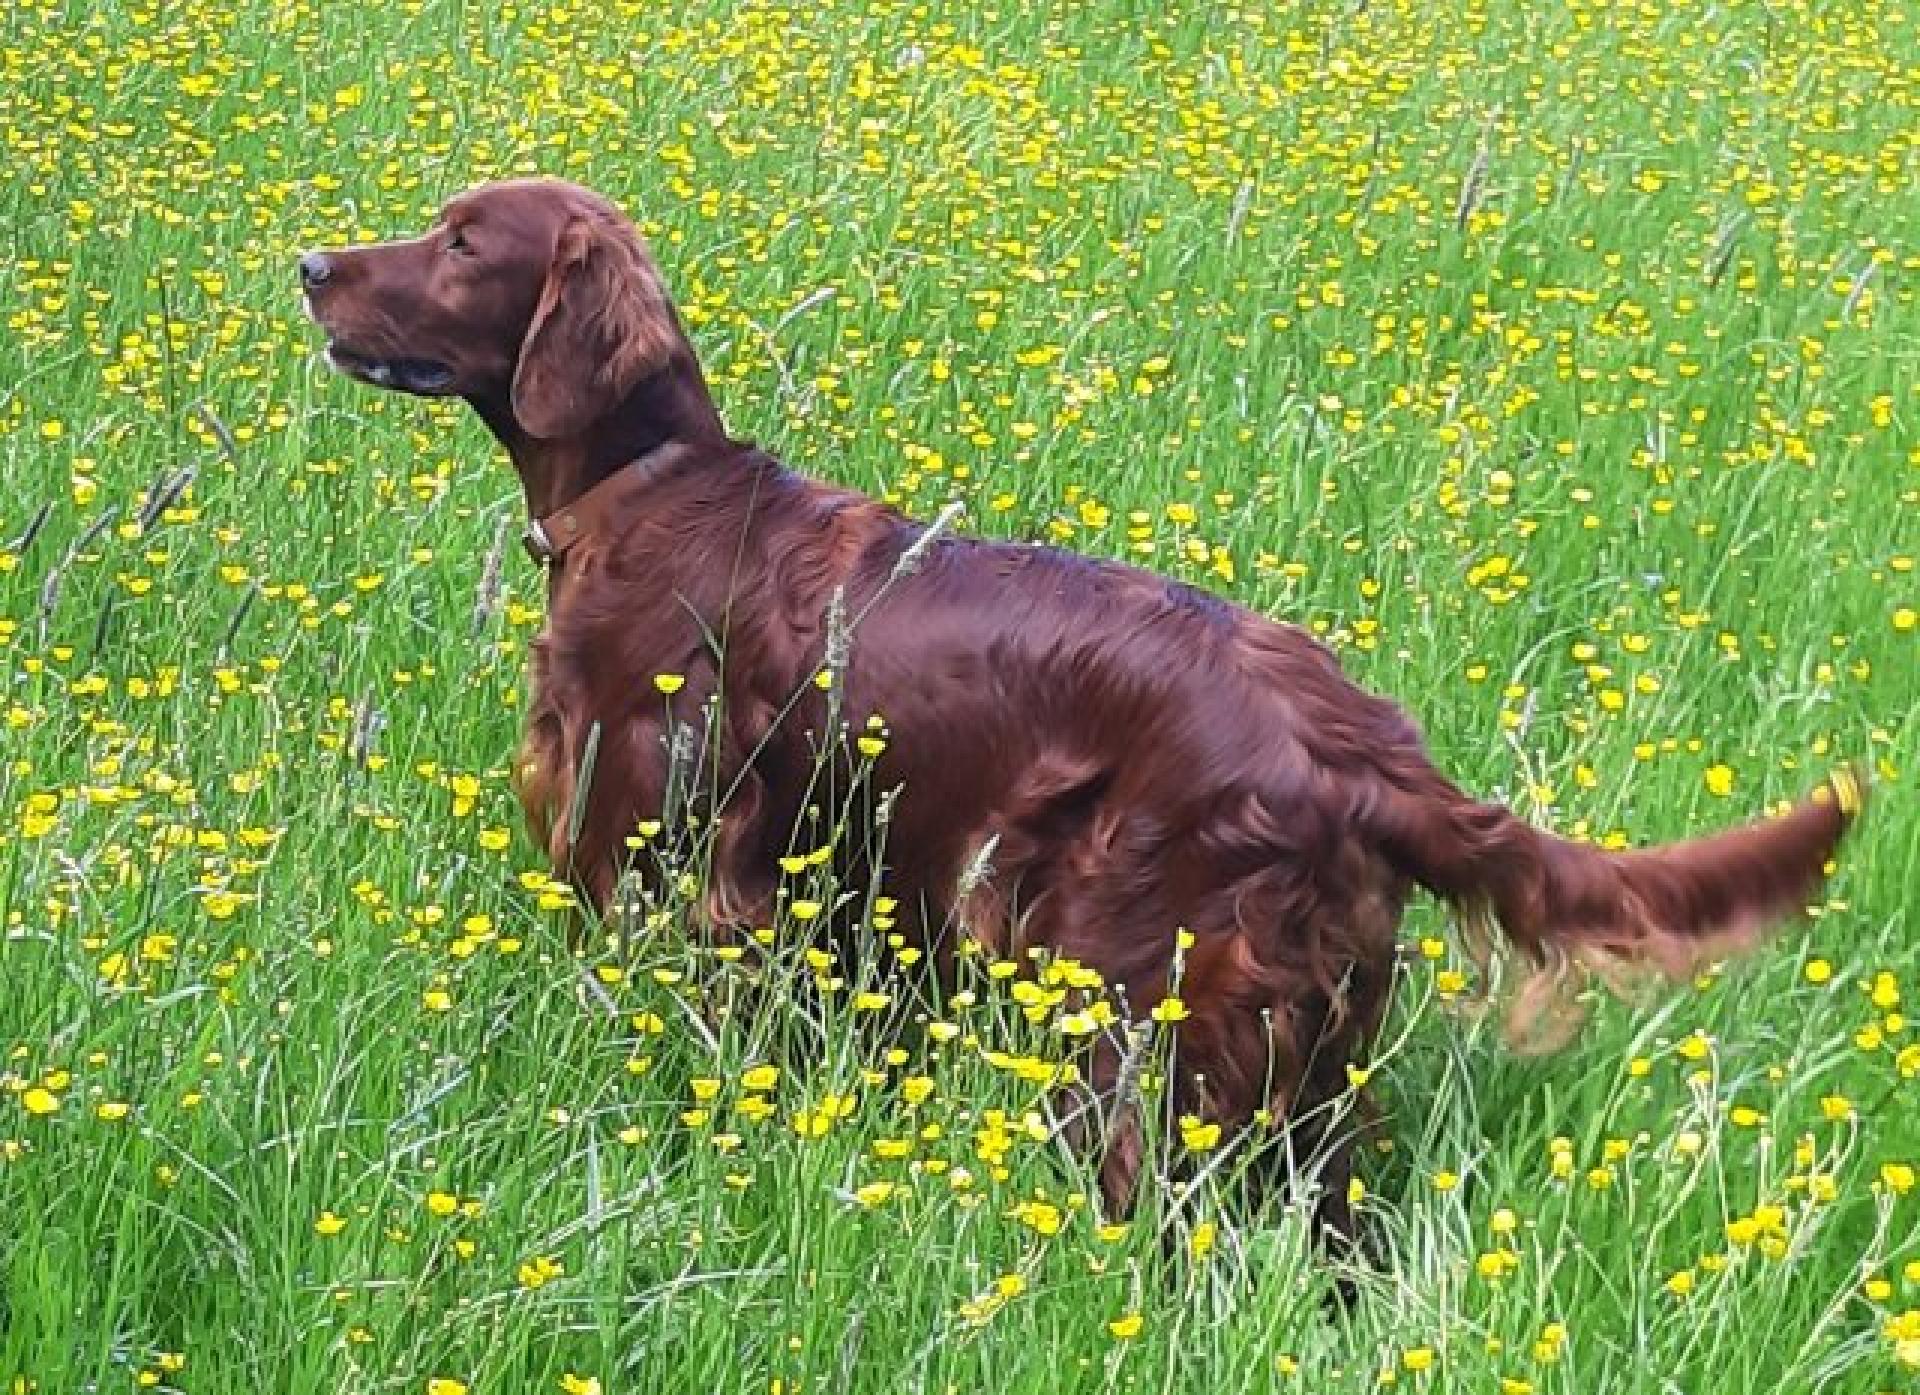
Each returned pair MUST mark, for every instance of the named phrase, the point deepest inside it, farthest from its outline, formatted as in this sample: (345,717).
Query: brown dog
(1089,759)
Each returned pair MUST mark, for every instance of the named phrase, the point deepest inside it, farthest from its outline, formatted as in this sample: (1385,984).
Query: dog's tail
(1566,906)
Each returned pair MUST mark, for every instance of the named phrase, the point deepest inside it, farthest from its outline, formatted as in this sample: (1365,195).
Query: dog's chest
(602,699)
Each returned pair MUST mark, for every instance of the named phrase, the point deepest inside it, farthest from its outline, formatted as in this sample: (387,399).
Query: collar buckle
(538,545)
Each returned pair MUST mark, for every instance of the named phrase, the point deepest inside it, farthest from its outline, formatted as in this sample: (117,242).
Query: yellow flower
(669,683)
(760,1079)
(1417,1359)
(1496,1264)
(1040,1216)
(819,1121)
(1719,780)
(1198,1136)
(1898,1177)
(539,1270)
(1200,1244)
(1680,1283)
(329,1224)
(442,1203)
(1904,1332)
(1818,971)
(1547,1349)
(446,1385)
(580,1385)
(40,1101)
(1128,1327)
(220,905)
(1170,1009)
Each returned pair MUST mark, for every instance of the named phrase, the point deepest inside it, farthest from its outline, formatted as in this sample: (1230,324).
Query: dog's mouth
(424,376)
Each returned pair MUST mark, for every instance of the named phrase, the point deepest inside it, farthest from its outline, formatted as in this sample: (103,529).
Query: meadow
(1555,363)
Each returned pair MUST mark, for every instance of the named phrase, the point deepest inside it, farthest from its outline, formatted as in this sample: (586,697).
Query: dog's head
(532,292)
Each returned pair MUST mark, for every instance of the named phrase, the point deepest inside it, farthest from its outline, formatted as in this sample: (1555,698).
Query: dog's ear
(603,324)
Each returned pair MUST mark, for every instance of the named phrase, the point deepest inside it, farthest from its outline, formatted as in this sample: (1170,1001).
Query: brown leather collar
(548,540)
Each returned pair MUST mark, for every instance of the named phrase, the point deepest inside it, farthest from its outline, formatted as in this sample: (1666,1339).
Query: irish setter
(1086,758)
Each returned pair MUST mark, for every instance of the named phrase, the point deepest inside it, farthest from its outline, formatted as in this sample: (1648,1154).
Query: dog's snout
(314,269)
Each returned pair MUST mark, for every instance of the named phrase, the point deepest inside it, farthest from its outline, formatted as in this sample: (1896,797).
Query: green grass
(1553,362)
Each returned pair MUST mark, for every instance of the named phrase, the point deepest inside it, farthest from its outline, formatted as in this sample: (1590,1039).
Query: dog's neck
(670,406)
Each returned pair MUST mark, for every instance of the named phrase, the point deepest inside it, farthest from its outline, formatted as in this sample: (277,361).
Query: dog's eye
(458,243)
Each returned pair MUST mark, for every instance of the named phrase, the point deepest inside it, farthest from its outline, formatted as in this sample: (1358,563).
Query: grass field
(1555,362)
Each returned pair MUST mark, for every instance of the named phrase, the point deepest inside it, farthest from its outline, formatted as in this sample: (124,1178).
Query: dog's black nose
(314,269)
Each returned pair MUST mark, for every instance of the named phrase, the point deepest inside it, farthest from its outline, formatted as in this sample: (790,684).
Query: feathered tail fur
(1565,906)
